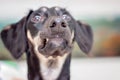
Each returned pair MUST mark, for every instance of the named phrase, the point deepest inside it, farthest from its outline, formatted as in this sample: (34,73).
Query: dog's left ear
(13,37)
(84,36)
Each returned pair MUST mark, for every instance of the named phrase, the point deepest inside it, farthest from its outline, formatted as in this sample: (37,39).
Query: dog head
(50,31)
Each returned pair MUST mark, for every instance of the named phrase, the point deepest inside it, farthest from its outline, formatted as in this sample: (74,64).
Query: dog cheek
(69,36)
(32,29)
(29,37)
(36,41)
(72,37)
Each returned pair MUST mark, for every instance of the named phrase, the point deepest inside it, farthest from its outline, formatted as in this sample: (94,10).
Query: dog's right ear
(14,37)
(84,36)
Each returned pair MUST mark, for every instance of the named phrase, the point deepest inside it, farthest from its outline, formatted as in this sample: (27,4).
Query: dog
(47,36)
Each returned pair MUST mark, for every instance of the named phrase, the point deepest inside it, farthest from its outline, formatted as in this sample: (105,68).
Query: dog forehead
(53,11)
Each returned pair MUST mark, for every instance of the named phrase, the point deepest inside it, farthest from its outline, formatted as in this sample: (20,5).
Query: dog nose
(58,24)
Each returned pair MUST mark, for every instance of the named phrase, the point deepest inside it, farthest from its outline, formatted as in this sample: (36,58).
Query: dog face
(51,32)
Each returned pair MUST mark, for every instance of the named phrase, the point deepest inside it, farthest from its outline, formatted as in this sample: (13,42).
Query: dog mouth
(55,41)
(53,46)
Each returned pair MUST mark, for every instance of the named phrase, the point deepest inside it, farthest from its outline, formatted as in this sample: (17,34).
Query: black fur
(84,36)
(14,38)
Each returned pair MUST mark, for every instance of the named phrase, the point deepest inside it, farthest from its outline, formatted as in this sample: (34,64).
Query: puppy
(47,36)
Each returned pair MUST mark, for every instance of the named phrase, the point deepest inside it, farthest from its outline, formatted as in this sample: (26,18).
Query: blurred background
(102,63)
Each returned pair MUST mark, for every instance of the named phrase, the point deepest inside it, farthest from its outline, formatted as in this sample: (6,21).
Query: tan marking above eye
(57,8)
(44,9)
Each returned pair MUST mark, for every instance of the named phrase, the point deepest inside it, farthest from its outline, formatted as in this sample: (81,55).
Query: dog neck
(51,67)
(42,68)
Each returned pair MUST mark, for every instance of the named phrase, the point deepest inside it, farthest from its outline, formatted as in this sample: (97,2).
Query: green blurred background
(103,16)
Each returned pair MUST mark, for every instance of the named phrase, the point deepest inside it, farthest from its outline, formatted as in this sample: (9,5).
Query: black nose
(61,24)
(58,24)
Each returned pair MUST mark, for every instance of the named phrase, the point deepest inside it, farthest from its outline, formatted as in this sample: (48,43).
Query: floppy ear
(83,36)
(13,37)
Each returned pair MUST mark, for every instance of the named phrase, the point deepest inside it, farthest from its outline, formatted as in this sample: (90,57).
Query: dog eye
(66,17)
(37,19)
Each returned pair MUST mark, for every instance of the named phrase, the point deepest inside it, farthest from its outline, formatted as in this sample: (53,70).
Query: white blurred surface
(17,8)
(96,69)
(81,69)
